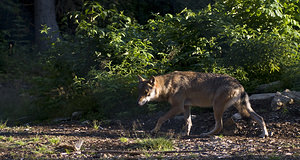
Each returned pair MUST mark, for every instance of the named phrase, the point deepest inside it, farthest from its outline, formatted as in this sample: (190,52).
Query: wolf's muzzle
(142,101)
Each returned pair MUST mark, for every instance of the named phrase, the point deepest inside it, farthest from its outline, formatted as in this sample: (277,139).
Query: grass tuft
(123,139)
(3,124)
(156,144)
(36,139)
(96,124)
(20,143)
(54,141)
(10,139)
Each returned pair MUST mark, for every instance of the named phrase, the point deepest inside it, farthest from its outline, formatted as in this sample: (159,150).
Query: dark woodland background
(63,56)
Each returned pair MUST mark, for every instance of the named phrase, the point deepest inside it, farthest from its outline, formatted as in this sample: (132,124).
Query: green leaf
(278,13)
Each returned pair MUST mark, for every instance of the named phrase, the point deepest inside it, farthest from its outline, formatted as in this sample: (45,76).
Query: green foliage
(291,77)
(123,139)
(263,37)
(95,70)
(60,87)
(20,143)
(3,124)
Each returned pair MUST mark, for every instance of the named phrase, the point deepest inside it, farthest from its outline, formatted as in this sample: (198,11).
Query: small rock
(86,122)
(237,116)
(76,115)
(182,117)
(179,117)
(64,154)
(214,138)
(57,120)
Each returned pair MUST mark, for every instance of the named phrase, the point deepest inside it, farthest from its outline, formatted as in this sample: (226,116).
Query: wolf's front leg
(170,114)
(188,121)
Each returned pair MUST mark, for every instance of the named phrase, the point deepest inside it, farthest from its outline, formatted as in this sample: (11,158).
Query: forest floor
(121,139)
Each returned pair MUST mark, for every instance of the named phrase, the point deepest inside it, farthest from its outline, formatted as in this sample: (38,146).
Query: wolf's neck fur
(161,88)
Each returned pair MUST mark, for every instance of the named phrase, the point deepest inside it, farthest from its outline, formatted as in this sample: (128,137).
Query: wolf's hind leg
(247,110)
(218,114)
(259,120)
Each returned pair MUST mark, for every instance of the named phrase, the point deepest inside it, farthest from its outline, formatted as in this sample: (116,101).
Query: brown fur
(185,89)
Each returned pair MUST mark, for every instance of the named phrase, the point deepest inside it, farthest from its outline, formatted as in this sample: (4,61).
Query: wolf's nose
(142,102)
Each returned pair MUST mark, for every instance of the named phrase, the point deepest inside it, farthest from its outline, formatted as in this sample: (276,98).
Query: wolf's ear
(152,80)
(141,79)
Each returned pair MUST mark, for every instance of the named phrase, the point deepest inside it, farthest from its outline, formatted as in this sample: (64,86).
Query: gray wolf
(183,89)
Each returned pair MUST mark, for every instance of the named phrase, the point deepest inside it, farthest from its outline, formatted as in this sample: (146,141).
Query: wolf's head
(146,90)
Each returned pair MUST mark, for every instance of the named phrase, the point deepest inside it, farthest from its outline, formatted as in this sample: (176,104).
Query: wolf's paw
(264,135)
(184,134)
(153,132)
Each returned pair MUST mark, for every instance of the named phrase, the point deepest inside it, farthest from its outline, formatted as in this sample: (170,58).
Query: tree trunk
(44,14)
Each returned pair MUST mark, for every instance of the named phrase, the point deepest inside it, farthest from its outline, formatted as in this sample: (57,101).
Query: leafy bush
(59,88)
(263,37)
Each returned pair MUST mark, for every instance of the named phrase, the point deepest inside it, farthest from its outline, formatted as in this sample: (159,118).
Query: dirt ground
(117,139)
